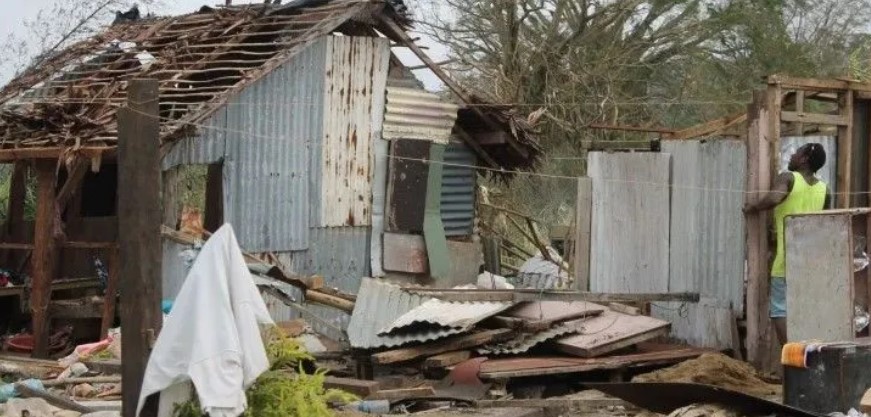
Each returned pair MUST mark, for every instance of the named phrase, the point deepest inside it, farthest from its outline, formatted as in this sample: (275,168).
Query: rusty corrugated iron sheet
(356,76)
(417,114)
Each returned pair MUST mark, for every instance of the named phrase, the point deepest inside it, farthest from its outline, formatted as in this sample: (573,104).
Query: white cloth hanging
(212,336)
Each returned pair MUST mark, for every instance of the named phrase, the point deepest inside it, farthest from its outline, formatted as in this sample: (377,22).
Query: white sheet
(211,336)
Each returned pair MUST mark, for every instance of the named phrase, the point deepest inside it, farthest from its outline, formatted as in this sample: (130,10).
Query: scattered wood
(612,331)
(60,402)
(521,325)
(447,359)
(624,309)
(592,404)
(114,379)
(520,295)
(446,345)
(104,367)
(403,393)
(550,312)
(27,367)
(329,300)
(359,387)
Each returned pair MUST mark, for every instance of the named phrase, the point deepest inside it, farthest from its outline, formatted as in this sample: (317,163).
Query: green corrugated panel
(433,229)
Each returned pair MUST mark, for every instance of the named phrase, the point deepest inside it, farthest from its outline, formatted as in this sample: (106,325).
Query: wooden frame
(765,117)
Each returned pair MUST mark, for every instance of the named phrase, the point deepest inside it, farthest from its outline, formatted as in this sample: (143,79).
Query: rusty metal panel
(405,253)
(406,187)
(630,223)
(458,190)
(346,153)
(417,114)
(829,172)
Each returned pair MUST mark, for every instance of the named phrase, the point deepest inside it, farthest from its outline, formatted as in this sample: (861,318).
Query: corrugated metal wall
(267,131)
(271,138)
(707,225)
(458,190)
(356,77)
(629,234)
(829,172)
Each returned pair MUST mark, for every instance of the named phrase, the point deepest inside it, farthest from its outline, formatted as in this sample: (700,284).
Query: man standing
(796,191)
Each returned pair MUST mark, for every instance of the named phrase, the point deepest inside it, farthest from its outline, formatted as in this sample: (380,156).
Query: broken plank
(592,404)
(447,359)
(814,118)
(520,295)
(554,311)
(446,345)
(359,387)
(612,331)
(329,300)
(624,309)
(516,324)
(403,393)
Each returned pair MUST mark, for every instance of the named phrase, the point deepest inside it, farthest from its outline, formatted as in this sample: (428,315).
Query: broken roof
(69,100)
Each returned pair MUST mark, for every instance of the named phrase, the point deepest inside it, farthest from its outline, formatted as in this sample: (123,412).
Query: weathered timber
(403,393)
(139,220)
(520,295)
(446,345)
(359,387)
(329,300)
(44,256)
(446,359)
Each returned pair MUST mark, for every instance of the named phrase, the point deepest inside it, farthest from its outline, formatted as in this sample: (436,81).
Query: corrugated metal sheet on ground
(458,190)
(525,341)
(438,314)
(707,225)
(354,66)
(418,114)
(829,171)
(630,222)
(379,304)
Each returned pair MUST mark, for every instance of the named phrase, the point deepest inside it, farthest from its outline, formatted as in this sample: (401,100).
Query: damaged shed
(316,146)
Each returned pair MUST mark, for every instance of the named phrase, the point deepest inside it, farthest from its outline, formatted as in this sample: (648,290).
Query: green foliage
(286,390)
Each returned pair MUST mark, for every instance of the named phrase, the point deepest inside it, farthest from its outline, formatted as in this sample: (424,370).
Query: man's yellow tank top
(803,198)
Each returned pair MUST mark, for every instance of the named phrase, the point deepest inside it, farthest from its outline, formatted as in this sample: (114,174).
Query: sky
(16,11)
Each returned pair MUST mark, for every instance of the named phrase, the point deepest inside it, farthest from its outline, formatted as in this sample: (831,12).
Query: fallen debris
(452,343)
(717,370)
(403,393)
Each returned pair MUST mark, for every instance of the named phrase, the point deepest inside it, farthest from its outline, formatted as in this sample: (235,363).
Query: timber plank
(359,387)
(447,359)
(612,331)
(446,345)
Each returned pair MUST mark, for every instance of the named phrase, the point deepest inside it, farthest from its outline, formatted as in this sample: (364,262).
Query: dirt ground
(718,370)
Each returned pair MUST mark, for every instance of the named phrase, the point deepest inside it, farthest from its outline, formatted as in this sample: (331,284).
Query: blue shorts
(777,298)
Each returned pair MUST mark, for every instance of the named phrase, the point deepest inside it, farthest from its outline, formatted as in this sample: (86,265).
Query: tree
(658,62)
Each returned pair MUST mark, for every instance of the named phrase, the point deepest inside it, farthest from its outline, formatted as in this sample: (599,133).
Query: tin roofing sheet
(439,314)
(418,114)
(525,341)
(379,304)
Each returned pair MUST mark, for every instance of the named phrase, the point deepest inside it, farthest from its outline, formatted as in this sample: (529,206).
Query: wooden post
(139,219)
(111,296)
(759,174)
(845,149)
(44,255)
(584,214)
(214,211)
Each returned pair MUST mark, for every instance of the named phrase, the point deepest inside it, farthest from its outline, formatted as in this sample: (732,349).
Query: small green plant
(285,390)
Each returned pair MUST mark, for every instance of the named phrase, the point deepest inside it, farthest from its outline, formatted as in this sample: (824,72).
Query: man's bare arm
(778,193)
